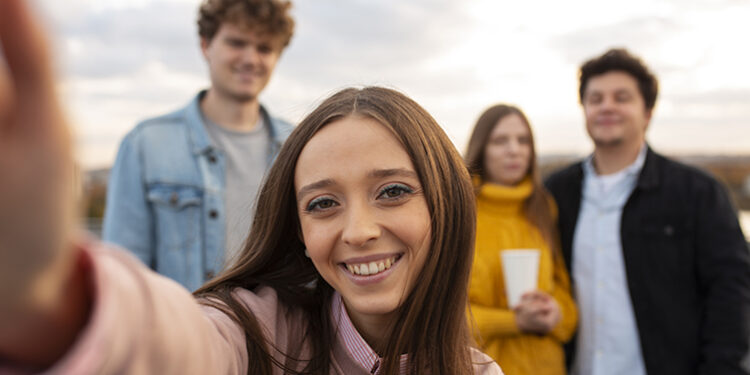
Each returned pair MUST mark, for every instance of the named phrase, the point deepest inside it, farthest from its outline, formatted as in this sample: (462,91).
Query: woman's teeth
(371,268)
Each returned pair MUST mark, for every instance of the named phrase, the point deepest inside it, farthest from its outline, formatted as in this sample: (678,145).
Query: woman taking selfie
(357,262)
(514,211)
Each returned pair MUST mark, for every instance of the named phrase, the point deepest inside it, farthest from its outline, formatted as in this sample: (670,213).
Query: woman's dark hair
(538,207)
(619,59)
(432,326)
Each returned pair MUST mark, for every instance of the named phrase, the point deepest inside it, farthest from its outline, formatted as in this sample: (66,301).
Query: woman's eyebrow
(377,173)
(313,186)
(403,172)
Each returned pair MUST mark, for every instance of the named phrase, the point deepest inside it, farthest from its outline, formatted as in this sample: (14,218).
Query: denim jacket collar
(199,137)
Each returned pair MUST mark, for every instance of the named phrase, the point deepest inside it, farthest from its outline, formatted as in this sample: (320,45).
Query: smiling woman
(343,236)
(357,261)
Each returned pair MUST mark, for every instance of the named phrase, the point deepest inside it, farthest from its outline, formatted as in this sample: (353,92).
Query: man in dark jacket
(660,267)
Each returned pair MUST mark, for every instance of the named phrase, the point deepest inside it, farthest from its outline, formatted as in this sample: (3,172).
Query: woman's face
(364,217)
(508,152)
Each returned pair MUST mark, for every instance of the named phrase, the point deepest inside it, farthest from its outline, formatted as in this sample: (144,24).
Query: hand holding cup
(538,312)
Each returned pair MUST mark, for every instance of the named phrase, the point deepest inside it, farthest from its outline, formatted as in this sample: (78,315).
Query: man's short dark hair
(619,59)
(265,16)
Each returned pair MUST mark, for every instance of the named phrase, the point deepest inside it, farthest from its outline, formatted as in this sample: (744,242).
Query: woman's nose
(360,226)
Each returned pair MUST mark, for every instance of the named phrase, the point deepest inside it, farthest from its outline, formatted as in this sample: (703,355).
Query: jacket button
(212,159)
(173,199)
(213,214)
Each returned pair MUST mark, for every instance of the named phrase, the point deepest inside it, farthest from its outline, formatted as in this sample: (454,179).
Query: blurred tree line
(733,171)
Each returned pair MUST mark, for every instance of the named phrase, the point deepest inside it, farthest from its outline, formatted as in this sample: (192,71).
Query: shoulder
(162,125)
(574,170)
(170,120)
(282,325)
(551,205)
(281,128)
(562,178)
(160,138)
(263,302)
(678,175)
(483,364)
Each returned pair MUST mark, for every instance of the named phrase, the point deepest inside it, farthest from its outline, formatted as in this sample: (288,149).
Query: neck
(372,328)
(612,159)
(230,113)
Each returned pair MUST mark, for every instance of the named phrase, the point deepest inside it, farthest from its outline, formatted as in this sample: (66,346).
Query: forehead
(348,147)
(612,81)
(245,30)
(510,124)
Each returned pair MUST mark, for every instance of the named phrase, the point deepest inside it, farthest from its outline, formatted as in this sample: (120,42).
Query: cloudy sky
(125,60)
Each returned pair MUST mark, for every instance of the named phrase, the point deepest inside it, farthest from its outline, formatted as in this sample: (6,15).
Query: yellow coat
(501,224)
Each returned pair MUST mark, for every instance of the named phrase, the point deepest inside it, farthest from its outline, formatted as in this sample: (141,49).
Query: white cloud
(127,60)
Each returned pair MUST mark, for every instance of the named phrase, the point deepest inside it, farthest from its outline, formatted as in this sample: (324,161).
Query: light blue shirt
(608,340)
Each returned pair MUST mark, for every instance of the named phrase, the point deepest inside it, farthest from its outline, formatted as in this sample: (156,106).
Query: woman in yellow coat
(514,211)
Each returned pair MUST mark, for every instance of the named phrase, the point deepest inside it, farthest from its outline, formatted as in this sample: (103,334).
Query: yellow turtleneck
(501,225)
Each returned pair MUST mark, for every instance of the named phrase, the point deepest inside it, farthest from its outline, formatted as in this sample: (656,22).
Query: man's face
(240,61)
(615,111)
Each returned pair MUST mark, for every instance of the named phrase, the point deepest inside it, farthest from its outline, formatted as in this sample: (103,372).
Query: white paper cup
(520,272)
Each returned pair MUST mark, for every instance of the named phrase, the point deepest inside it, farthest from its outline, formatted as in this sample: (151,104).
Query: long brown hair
(433,312)
(538,206)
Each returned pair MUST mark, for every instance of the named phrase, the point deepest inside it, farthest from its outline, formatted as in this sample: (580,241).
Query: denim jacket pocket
(177,211)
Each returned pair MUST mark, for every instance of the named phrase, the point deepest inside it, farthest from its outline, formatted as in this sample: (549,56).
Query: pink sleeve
(143,323)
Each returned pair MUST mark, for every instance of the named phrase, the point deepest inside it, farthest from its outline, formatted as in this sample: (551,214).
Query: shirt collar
(632,169)
(356,346)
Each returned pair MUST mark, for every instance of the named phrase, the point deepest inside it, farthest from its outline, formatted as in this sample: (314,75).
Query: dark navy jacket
(687,266)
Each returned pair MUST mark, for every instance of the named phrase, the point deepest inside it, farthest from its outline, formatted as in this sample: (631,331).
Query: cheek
(416,230)
(526,152)
(493,154)
(421,252)
(589,112)
(270,62)
(316,241)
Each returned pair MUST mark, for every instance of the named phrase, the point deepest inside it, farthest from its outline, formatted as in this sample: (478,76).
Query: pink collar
(357,347)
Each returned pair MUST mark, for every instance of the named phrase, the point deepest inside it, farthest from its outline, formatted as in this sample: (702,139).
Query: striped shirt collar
(356,346)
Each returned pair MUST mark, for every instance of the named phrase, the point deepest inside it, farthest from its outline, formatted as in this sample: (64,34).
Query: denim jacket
(165,200)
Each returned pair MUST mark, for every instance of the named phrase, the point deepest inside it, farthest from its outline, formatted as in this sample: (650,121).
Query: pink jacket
(143,323)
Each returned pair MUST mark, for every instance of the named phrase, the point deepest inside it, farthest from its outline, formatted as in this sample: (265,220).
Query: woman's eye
(499,140)
(394,191)
(320,204)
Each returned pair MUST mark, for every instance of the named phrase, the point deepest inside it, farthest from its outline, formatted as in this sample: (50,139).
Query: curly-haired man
(182,189)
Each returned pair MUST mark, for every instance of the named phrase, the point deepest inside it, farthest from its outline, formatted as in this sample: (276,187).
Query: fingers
(5,97)
(536,303)
(24,45)
(25,51)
